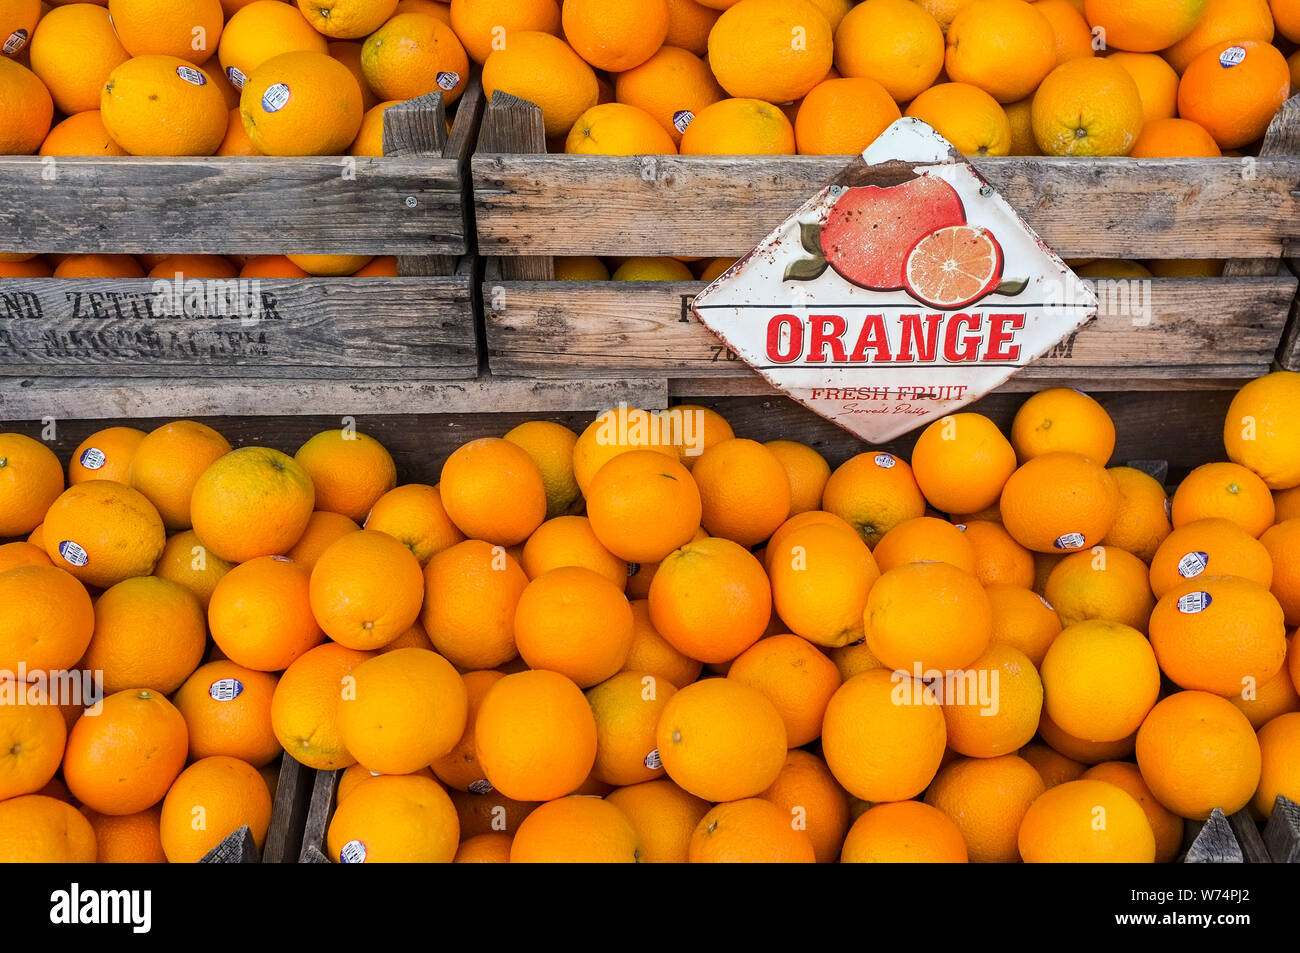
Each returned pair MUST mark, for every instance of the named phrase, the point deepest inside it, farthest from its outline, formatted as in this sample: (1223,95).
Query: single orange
(821,576)
(366,590)
(906,832)
(576,830)
(1100,679)
(305,706)
(414,515)
(260,614)
(126,648)
(749,831)
(642,506)
(350,471)
(227,709)
(471,591)
(252,502)
(169,461)
(210,800)
(1086,822)
(576,622)
(987,799)
(928,616)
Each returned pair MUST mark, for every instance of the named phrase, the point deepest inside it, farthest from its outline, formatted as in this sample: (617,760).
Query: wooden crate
(1210,333)
(1237,838)
(288,818)
(107,348)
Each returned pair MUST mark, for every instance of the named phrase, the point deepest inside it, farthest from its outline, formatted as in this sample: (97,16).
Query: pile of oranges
(654,641)
(214,267)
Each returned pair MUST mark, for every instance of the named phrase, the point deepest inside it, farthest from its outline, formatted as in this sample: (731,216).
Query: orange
(672,86)
(653,654)
(1228,491)
(413,638)
(1186,268)
(32,738)
(348,52)
(493,490)
(1156,80)
(1222,21)
(1086,821)
(237,143)
(350,471)
(1288,504)
(1279,746)
(925,539)
(188,29)
(1283,544)
(1216,547)
(485,25)
(821,577)
(576,830)
(616,35)
(81,135)
(330,266)
(576,268)
(105,455)
(394,820)
(129,839)
(1174,138)
(347,19)
(569,541)
(774,50)
(366,589)
(1165,825)
(992,708)
(536,736)
(305,707)
(1072,33)
(1005,47)
(302,104)
(1287,16)
(618,129)
(260,30)
(615,432)
(17,554)
(927,616)
(642,506)
(574,621)
(471,591)
(413,514)
(169,461)
(32,268)
(1142,522)
(795,677)
(1087,107)
(749,831)
(987,799)
(721,740)
(187,561)
(627,708)
(1219,634)
(999,559)
(664,817)
(1053,767)
(873,492)
(459,768)
(969,118)
(743,489)
(806,470)
(129,618)
(39,829)
(710,599)
(895,42)
(1100,679)
(798,522)
(1059,502)
(854,659)
(551,447)
(99,266)
(413,54)
(739,127)
(652,269)
(193,266)
(1260,704)
(382,266)
(1261,431)
(210,800)
(1198,752)
(409,708)
(73,51)
(163,106)
(1081,749)
(1020,118)
(1144,26)
(689,25)
(883,737)
(907,832)
(489,813)
(1233,89)
(813,801)
(252,502)
(103,532)
(17,24)
(260,614)
(31,478)
(545,71)
(493,848)
(227,709)
(323,530)
(125,759)
(1101,583)
(712,272)
(25,107)
(46,619)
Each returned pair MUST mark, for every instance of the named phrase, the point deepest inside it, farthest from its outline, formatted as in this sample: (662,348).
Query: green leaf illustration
(805,269)
(810,236)
(1011,288)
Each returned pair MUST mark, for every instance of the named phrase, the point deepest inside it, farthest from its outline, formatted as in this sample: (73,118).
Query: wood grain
(302,327)
(1252,844)
(709,205)
(1197,328)
(1282,833)
(1216,843)
(288,813)
(514,125)
(319,812)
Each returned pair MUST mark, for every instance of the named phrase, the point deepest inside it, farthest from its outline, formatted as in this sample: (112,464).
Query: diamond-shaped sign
(903,291)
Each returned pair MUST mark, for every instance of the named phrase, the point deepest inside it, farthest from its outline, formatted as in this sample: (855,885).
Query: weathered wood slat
(1211,326)
(319,813)
(269,328)
(288,813)
(237,848)
(514,125)
(267,400)
(1281,139)
(1215,843)
(707,205)
(1282,833)
(1247,831)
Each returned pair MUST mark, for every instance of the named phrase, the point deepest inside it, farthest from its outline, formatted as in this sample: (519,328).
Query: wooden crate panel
(1197,328)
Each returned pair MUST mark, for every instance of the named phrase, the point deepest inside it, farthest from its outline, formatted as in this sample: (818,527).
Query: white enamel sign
(885,306)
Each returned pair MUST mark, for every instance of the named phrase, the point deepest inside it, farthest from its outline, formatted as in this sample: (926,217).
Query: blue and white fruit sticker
(447,80)
(72,553)
(226,689)
(237,78)
(275,98)
(1193,564)
(653,761)
(885,461)
(481,786)
(191,75)
(1232,56)
(92,458)
(682,118)
(1070,541)
(1194,602)
(353,852)
(14,42)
